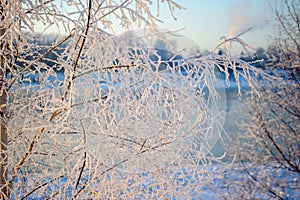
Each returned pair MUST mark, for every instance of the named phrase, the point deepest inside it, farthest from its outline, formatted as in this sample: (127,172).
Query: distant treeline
(261,58)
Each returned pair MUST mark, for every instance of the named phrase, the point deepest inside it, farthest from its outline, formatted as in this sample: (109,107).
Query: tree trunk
(3,103)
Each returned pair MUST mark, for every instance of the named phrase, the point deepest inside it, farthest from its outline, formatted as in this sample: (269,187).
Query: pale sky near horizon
(206,21)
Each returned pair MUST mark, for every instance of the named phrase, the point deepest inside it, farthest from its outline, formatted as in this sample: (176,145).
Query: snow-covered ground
(215,181)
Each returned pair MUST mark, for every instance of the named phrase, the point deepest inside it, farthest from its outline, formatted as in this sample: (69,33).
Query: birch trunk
(3,103)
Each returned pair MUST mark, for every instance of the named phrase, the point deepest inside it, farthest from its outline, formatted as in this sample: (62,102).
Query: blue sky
(205,21)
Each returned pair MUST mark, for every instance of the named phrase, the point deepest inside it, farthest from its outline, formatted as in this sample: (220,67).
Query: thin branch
(80,50)
(43,4)
(283,25)
(84,157)
(260,183)
(83,186)
(113,10)
(233,39)
(105,68)
(263,125)
(24,157)
(41,186)
(294,15)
